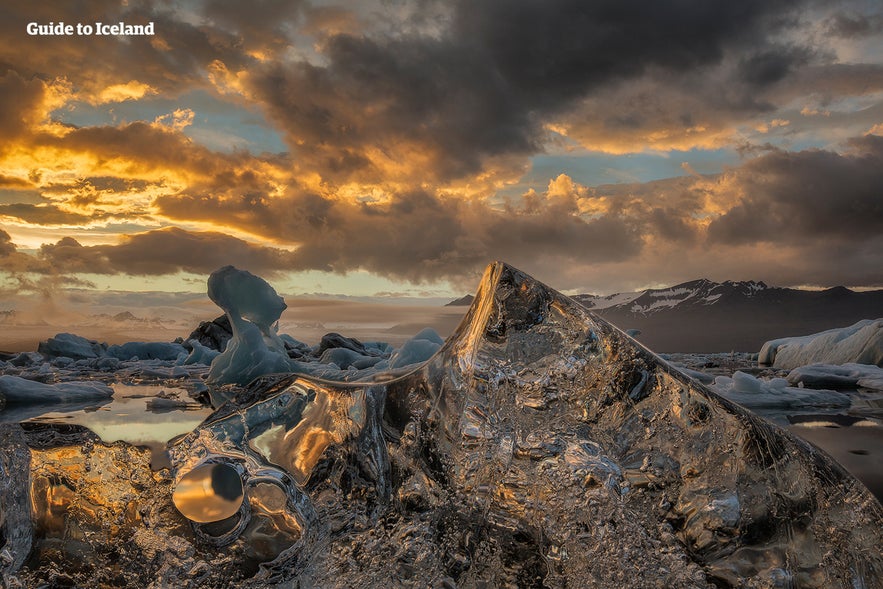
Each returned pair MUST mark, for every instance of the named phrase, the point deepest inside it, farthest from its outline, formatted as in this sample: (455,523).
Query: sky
(396,147)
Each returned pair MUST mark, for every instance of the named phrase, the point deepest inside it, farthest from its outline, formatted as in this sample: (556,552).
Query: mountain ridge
(706,316)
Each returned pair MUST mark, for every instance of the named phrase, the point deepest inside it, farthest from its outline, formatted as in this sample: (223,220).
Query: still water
(141,414)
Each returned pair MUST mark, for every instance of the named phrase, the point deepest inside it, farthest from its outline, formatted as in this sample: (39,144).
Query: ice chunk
(242,295)
(705,487)
(837,377)
(147,351)
(419,348)
(755,393)
(200,354)
(345,358)
(860,343)
(20,390)
(247,357)
(253,308)
(71,346)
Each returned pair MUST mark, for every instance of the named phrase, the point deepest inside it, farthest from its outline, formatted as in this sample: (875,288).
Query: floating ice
(253,308)
(255,349)
(755,393)
(846,376)
(200,354)
(71,346)
(860,343)
(147,351)
(418,349)
(17,390)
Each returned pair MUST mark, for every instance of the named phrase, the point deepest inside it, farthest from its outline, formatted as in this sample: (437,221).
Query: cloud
(43,214)
(164,251)
(406,121)
(7,248)
(488,83)
(854,25)
(807,197)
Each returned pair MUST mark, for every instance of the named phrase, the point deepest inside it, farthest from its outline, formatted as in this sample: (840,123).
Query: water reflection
(853,441)
(209,493)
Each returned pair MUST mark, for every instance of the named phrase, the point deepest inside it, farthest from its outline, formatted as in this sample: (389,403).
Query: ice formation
(775,393)
(539,446)
(72,346)
(148,351)
(845,376)
(253,309)
(255,349)
(860,343)
(16,390)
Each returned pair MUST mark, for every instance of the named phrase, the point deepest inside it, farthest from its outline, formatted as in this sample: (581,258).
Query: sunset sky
(398,146)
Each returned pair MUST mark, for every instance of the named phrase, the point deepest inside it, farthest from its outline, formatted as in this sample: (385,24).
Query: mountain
(463,301)
(706,316)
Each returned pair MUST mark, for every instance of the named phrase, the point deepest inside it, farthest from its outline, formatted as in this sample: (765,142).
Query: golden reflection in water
(209,493)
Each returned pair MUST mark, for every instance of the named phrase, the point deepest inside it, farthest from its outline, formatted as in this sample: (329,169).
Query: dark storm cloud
(807,196)
(553,51)
(173,60)
(487,84)
(257,23)
(164,251)
(855,25)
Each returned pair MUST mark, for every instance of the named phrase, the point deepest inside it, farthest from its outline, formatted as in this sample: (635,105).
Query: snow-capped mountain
(697,292)
(706,316)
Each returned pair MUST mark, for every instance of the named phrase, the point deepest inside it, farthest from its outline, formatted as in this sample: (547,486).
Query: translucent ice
(539,446)
(253,308)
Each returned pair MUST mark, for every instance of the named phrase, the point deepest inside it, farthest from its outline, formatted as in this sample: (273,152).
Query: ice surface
(200,354)
(71,346)
(418,349)
(538,447)
(253,309)
(775,393)
(147,351)
(860,343)
(17,390)
(846,376)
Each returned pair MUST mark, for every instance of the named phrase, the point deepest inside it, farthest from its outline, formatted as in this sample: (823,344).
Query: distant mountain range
(706,316)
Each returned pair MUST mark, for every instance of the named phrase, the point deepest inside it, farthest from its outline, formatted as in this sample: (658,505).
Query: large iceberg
(539,446)
(860,343)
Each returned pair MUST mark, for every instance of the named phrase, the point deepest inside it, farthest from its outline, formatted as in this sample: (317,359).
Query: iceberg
(147,351)
(539,446)
(860,343)
(252,308)
(68,345)
(775,393)
(15,390)
(846,376)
